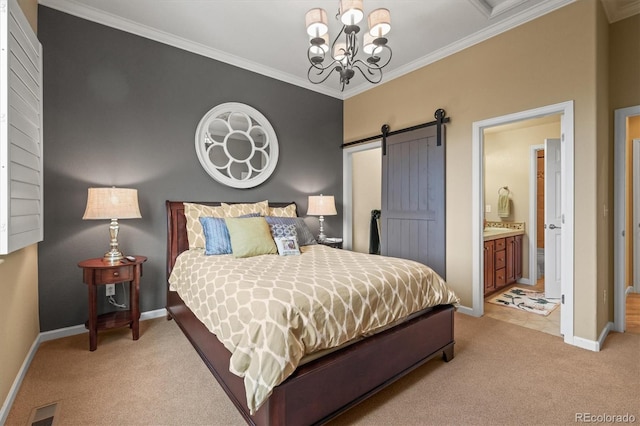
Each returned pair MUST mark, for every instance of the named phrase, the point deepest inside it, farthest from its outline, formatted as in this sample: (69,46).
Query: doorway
(362,190)
(514,157)
(627,127)
(565,109)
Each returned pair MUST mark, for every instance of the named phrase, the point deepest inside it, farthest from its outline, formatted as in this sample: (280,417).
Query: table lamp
(322,205)
(112,203)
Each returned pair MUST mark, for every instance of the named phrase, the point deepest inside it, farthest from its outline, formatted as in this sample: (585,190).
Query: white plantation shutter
(21,197)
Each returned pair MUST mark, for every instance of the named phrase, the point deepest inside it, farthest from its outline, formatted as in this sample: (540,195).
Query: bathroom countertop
(495,233)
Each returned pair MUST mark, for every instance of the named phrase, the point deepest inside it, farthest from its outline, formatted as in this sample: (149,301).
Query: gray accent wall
(122,110)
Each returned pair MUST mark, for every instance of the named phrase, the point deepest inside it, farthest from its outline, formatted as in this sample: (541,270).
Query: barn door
(413,198)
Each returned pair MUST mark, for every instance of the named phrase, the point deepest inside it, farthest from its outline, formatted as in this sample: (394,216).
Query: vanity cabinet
(513,258)
(489,268)
(502,262)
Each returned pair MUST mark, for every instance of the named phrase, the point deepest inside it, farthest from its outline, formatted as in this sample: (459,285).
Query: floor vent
(45,415)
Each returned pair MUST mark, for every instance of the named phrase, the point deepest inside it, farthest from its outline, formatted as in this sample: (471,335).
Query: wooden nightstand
(331,242)
(98,272)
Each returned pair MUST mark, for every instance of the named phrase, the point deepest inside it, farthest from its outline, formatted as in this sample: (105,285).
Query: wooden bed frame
(321,389)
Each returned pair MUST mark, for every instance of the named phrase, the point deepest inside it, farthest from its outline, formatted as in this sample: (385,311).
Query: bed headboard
(177,241)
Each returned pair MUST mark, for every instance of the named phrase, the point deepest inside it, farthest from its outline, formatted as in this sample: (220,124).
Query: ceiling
(269,37)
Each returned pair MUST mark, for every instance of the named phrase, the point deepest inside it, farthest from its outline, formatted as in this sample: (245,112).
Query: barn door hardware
(440,119)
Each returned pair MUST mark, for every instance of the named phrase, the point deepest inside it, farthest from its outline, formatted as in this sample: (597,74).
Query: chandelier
(345,48)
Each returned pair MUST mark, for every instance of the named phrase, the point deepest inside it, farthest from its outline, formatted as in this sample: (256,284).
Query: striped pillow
(216,234)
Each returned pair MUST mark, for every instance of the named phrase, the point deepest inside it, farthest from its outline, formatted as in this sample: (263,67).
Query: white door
(636,214)
(552,218)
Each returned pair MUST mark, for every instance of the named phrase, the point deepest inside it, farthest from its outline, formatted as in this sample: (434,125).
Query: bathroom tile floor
(549,324)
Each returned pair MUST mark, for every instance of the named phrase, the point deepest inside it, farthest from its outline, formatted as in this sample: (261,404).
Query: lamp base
(321,235)
(112,256)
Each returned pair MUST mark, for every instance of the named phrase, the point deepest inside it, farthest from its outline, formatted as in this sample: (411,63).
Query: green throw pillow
(250,236)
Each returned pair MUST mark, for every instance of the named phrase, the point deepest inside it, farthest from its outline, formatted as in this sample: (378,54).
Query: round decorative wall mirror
(237,145)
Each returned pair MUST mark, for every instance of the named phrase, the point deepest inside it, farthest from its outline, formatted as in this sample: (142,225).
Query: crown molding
(491,11)
(464,43)
(617,10)
(73,7)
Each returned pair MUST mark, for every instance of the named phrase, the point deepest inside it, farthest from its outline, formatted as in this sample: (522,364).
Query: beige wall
(624,63)
(19,322)
(549,60)
(624,89)
(507,162)
(604,177)
(367,193)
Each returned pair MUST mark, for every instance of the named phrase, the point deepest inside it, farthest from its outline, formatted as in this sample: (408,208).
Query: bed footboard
(324,388)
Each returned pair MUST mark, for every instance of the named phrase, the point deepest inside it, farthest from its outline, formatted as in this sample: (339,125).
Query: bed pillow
(305,237)
(192,213)
(280,230)
(236,210)
(216,235)
(250,237)
(287,211)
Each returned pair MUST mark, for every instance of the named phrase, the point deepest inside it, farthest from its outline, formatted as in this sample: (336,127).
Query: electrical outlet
(487,208)
(110,289)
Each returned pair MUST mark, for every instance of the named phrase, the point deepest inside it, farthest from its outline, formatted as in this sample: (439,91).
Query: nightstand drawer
(114,275)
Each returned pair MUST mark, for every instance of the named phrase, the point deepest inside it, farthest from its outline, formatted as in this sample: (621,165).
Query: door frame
(347,189)
(533,212)
(619,191)
(635,149)
(566,109)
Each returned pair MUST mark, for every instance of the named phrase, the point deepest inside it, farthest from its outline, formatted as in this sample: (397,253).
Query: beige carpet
(502,374)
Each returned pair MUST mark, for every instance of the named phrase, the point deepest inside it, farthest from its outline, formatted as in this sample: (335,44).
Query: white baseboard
(466,310)
(593,345)
(52,335)
(15,387)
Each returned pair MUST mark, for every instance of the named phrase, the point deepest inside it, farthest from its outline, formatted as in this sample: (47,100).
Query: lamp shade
(367,44)
(112,203)
(319,47)
(379,22)
(316,22)
(322,205)
(351,12)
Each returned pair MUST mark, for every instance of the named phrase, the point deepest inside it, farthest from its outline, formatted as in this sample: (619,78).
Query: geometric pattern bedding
(270,311)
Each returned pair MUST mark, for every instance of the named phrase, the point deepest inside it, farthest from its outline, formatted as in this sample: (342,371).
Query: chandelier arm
(335,40)
(320,72)
(371,70)
(389,58)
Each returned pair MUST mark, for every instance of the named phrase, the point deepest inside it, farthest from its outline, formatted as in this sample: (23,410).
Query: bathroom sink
(497,232)
(490,232)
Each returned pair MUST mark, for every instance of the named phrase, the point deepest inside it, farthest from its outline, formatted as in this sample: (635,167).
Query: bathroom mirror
(237,145)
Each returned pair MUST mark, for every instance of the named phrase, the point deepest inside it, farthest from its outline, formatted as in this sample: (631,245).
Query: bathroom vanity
(502,257)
